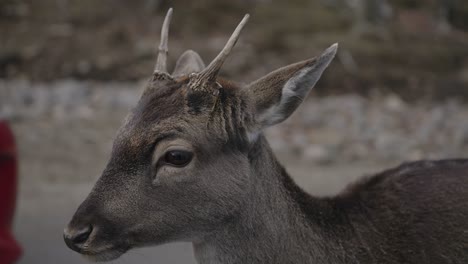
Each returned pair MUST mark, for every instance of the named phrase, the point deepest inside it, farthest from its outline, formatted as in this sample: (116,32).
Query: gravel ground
(333,129)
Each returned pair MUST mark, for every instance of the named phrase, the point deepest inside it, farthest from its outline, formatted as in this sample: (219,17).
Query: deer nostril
(82,235)
(74,239)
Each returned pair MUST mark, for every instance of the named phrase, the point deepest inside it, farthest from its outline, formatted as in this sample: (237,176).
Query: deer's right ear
(188,62)
(278,94)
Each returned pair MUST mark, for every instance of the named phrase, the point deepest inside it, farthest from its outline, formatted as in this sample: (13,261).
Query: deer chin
(103,255)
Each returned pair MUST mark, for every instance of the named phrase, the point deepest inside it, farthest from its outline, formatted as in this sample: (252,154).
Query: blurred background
(71,69)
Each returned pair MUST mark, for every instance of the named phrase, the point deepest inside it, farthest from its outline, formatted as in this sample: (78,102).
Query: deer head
(180,166)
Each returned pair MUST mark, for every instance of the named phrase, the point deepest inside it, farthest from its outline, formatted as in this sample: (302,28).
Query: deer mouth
(102,255)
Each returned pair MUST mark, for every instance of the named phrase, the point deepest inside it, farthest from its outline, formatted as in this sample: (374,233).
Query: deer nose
(75,238)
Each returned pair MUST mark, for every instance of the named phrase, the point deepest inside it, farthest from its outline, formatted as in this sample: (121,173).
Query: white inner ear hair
(275,113)
(296,88)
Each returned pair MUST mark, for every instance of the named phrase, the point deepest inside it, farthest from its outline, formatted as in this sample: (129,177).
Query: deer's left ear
(278,94)
(188,62)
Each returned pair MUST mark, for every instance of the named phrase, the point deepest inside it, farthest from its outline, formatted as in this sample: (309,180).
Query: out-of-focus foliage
(414,48)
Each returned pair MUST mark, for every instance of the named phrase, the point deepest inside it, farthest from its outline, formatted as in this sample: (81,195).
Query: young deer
(191,163)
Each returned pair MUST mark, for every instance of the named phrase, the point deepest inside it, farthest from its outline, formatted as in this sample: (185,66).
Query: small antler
(211,71)
(163,48)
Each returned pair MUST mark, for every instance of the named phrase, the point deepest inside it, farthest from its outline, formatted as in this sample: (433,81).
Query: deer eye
(178,158)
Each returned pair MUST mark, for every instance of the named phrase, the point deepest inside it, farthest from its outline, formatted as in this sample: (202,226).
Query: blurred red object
(10,251)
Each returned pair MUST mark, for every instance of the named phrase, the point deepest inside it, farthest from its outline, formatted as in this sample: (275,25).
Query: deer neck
(271,227)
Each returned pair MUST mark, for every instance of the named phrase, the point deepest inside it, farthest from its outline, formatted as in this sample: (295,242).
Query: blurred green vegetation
(417,49)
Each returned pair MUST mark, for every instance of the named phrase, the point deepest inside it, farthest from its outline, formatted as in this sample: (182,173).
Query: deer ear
(278,94)
(188,62)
